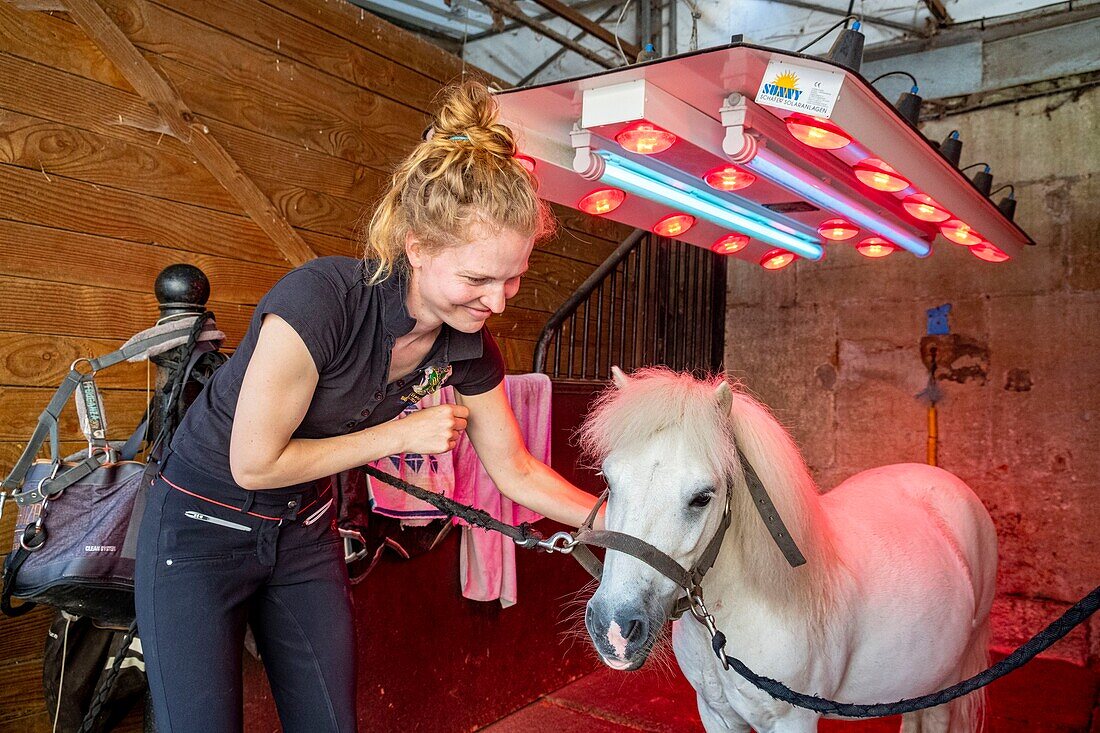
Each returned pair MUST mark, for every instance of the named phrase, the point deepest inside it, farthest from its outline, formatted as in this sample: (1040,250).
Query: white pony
(893,601)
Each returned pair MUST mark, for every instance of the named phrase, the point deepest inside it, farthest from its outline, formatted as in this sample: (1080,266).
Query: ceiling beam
(565,12)
(506,7)
(938,11)
(561,51)
(426,16)
(583,5)
(985,29)
(840,13)
(443,38)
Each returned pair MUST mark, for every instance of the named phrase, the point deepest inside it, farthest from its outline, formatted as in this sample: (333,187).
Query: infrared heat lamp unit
(753,153)
(655,186)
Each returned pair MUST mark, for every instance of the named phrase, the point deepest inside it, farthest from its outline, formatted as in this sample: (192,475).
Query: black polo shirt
(349,328)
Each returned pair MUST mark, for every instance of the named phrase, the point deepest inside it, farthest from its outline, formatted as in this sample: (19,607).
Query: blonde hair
(465,173)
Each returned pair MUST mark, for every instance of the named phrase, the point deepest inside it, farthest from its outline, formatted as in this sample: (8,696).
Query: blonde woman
(235,529)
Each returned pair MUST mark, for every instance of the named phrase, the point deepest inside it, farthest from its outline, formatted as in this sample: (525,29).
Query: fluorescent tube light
(794,179)
(659,188)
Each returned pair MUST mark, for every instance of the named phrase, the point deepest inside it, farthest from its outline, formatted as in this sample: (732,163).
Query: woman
(235,529)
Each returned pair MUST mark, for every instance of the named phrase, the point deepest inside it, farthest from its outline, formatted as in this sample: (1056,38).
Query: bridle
(689,580)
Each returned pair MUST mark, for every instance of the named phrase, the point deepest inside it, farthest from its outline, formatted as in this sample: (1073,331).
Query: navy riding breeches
(210,560)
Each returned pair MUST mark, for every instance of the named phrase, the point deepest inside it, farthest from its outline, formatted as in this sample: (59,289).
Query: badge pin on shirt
(433,380)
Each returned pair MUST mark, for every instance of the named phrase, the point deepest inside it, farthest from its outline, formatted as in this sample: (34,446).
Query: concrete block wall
(832,347)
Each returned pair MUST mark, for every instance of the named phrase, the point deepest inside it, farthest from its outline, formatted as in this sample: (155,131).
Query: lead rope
(1061,626)
(103,690)
(566,543)
(524,535)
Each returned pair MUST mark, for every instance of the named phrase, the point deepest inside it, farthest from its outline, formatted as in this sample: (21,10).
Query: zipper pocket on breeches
(317,514)
(215,520)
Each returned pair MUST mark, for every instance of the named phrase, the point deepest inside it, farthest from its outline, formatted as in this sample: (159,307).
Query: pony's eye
(701,500)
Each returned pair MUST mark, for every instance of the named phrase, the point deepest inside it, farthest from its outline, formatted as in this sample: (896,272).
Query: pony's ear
(725,396)
(618,377)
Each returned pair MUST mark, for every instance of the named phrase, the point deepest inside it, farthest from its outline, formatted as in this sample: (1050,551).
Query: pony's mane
(658,399)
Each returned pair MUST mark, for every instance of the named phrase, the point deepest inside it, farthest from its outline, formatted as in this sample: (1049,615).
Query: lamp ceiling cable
(617,22)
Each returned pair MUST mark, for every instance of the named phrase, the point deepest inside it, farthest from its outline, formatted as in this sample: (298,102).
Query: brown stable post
(180,290)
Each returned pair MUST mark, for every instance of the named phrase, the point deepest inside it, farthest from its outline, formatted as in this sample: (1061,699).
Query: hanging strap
(48,422)
(107,683)
(585,557)
(132,447)
(12,564)
(766,508)
(198,350)
(159,450)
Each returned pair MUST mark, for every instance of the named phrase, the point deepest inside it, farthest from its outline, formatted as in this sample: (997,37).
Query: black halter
(690,580)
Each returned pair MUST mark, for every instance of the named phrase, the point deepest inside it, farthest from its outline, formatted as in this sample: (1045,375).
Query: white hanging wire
(617,22)
(465,34)
(696,14)
(149,402)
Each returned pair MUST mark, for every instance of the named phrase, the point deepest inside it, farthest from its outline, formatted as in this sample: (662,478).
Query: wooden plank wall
(314,100)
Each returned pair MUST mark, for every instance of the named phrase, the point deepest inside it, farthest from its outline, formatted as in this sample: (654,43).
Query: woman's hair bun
(468,115)
(463,174)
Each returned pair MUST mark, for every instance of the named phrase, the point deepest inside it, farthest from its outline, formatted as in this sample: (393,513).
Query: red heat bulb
(924,208)
(777,259)
(674,225)
(730,243)
(602,201)
(837,230)
(960,233)
(879,176)
(729,178)
(875,247)
(645,138)
(989,253)
(817,132)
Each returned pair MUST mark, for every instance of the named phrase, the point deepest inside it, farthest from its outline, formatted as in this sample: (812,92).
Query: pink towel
(487,566)
(433,472)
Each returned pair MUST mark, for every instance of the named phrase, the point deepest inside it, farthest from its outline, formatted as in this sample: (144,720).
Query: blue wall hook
(937,320)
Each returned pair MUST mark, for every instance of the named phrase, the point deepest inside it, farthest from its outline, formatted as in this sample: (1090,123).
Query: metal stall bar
(581,296)
(674,296)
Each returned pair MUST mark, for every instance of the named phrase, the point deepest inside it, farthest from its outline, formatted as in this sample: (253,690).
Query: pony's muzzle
(620,634)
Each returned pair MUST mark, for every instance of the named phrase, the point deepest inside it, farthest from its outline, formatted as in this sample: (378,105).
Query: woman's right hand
(433,429)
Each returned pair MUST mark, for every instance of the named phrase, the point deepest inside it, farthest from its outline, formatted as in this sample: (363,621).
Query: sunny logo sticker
(785,86)
(799,88)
